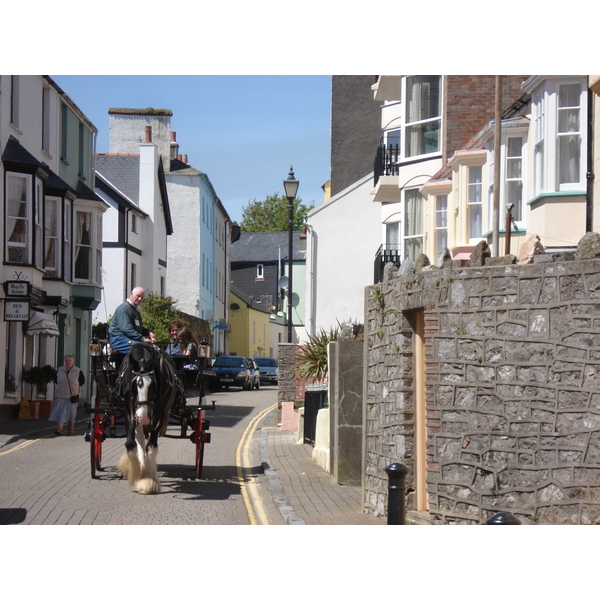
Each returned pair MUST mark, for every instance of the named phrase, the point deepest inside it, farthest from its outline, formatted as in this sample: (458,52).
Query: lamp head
(291,185)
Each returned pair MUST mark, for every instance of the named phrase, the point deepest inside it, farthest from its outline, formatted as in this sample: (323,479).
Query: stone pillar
(346,410)
(287,383)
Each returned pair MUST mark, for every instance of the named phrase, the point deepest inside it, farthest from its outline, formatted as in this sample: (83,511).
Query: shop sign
(16,310)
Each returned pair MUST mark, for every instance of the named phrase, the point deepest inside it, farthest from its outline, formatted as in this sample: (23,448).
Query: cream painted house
(541,172)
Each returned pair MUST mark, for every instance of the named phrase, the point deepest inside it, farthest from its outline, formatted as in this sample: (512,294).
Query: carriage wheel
(96,436)
(199,441)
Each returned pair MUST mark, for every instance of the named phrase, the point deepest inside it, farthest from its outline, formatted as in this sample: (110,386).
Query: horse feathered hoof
(148,486)
(123,465)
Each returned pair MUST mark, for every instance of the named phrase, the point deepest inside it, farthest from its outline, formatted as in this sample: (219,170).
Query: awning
(41,324)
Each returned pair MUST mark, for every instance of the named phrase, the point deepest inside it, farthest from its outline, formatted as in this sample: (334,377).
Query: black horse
(148,387)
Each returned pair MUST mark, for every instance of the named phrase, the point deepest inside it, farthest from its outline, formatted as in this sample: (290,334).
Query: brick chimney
(174,145)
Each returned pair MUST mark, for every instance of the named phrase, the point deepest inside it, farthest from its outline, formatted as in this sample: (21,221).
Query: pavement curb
(274,483)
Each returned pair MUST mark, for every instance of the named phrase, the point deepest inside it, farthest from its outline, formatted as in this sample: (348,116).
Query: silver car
(268,370)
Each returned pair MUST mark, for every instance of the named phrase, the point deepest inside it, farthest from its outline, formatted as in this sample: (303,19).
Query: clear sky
(243,131)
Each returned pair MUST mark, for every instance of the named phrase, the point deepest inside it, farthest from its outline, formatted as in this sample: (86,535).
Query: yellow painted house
(249,327)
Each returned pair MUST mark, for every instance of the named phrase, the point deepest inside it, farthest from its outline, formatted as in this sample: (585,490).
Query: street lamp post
(291,189)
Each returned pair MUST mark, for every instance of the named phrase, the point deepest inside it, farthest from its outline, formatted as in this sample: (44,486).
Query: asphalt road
(46,480)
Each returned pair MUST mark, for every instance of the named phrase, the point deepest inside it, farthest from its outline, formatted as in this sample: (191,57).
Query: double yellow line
(254,506)
(19,447)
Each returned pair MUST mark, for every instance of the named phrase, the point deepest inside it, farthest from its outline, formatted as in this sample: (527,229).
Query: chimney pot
(185,159)
(148,134)
(173,136)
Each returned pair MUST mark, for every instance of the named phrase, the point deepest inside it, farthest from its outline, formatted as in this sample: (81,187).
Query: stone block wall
(512,372)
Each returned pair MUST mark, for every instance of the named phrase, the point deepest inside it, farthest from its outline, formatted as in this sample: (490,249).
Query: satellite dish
(283,283)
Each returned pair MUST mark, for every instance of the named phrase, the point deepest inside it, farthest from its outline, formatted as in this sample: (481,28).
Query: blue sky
(243,131)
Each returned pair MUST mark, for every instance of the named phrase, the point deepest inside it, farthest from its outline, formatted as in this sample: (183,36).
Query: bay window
(87,246)
(413,224)
(441,222)
(558,109)
(18,219)
(38,212)
(52,249)
(474,202)
(66,245)
(514,176)
(83,245)
(569,133)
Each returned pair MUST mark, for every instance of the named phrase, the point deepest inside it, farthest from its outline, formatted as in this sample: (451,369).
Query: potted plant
(39,377)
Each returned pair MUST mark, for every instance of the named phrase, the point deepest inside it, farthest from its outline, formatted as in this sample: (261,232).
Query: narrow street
(46,480)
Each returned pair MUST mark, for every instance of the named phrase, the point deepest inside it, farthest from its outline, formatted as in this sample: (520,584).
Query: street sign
(17,288)
(16,310)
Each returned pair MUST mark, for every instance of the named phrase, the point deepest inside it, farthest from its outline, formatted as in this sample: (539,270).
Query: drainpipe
(589,197)
(126,244)
(497,134)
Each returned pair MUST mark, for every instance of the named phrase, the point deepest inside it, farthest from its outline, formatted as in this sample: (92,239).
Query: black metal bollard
(503,518)
(396,494)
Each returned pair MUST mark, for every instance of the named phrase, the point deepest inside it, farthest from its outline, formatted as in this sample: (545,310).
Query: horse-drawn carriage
(145,392)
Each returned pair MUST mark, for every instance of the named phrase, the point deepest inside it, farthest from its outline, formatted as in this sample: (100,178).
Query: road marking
(19,447)
(249,491)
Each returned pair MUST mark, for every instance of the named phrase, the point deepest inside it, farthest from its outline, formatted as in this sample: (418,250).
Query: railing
(386,161)
(386,254)
(314,401)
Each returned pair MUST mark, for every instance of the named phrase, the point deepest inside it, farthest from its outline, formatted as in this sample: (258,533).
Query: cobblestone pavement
(302,492)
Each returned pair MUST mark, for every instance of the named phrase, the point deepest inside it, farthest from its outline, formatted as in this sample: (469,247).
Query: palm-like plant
(311,358)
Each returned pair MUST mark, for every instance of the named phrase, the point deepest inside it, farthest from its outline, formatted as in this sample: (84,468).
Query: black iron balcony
(386,161)
(386,254)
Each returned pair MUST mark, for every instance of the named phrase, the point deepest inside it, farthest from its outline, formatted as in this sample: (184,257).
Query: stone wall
(512,365)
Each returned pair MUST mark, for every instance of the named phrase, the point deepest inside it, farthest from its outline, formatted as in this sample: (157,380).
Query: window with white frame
(514,175)
(441,222)
(67,258)
(38,213)
(392,137)
(260,272)
(558,110)
(413,224)
(52,237)
(538,111)
(569,133)
(83,245)
(422,118)
(87,246)
(392,235)
(98,249)
(18,224)
(474,202)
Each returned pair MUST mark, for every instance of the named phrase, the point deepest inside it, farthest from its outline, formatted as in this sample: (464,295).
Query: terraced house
(52,230)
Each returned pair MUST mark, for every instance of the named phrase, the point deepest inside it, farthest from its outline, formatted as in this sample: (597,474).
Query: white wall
(342,238)
(183,247)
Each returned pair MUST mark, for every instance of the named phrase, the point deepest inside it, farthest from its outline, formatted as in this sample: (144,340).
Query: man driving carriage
(126,325)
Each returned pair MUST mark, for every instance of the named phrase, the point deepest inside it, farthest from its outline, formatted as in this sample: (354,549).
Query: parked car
(268,370)
(233,371)
(255,375)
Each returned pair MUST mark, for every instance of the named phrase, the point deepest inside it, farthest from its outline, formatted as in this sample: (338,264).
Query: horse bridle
(137,379)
